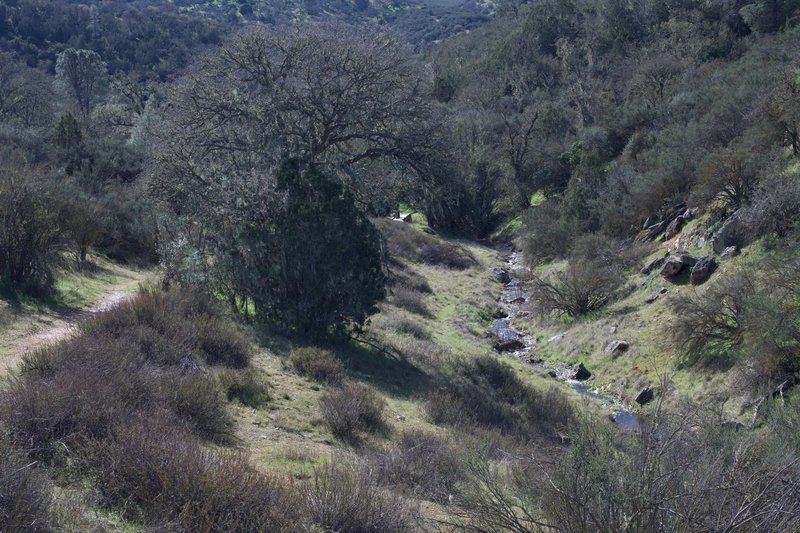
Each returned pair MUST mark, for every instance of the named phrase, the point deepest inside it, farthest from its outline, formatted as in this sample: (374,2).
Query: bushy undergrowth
(746,320)
(423,464)
(684,472)
(407,242)
(410,300)
(156,471)
(149,352)
(488,392)
(318,364)
(245,385)
(347,497)
(25,494)
(352,409)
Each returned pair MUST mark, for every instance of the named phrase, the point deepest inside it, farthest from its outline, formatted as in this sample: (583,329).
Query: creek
(515,304)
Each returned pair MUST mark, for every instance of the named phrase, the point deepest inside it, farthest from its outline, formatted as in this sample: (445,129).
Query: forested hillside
(400,266)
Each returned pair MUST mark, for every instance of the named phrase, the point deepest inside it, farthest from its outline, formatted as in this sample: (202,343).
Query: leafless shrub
(25,494)
(410,243)
(318,364)
(410,300)
(246,385)
(352,409)
(489,393)
(346,497)
(155,471)
(582,287)
(422,463)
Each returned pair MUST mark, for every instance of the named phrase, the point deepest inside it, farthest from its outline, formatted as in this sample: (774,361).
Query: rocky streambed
(513,305)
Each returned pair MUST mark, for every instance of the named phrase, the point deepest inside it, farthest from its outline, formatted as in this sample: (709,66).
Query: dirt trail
(50,327)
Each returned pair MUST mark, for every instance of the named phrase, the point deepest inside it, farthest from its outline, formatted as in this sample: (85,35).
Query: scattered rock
(501,275)
(729,252)
(732,425)
(518,300)
(407,218)
(551,373)
(654,296)
(674,264)
(558,337)
(703,269)
(613,329)
(675,227)
(511,345)
(671,267)
(644,396)
(616,348)
(581,373)
(727,235)
(653,265)
(499,313)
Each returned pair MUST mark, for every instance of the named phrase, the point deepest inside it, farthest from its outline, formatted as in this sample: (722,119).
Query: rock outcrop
(702,270)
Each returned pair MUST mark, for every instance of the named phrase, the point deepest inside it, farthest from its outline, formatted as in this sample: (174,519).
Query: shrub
(708,327)
(168,326)
(775,209)
(406,241)
(197,398)
(25,494)
(156,471)
(411,280)
(488,392)
(582,287)
(410,327)
(30,239)
(423,463)
(246,386)
(346,497)
(352,409)
(143,353)
(320,365)
(546,234)
(410,300)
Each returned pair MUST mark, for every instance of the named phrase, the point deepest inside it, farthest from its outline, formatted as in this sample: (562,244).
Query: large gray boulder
(676,263)
(729,234)
(702,270)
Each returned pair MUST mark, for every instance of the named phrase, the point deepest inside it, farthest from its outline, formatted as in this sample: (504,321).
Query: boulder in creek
(510,345)
(501,275)
(702,270)
(644,396)
(581,373)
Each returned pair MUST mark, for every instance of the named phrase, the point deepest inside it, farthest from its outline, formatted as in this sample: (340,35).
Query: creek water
(514,303)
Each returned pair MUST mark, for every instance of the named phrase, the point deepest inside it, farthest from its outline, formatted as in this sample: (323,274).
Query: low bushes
(410,243)
(25,494)
(154,470)
(146,353)
(320,365)
(487,392)
(410,300)
(246,386)
(424,464)
(352,409)
(347,497)
(168,327)
(582,287)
